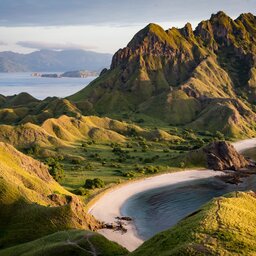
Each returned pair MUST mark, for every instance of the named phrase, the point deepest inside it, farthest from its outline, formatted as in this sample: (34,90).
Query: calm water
(159,209)
(40,87)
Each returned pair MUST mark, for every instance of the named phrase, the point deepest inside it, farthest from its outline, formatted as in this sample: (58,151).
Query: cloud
(53,46)
(98,12)
(3,43)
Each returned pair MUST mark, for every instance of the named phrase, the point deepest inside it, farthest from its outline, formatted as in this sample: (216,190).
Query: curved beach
(108,207)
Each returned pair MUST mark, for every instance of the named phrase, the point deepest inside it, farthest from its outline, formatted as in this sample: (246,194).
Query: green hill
(67,243)
(183,77)
(32,204)
(65,131)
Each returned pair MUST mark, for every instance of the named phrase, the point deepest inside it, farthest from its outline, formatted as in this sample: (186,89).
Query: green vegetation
(32,203)
(55,168)
(66,243)
(80,148)
(94,183)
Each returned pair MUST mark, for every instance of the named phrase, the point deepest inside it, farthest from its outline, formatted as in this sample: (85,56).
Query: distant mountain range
(49,60)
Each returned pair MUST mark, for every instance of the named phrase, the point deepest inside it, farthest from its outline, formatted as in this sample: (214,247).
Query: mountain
(49,60)
(203,79)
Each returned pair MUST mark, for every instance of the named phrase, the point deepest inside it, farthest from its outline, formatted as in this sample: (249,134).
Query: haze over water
(40,87)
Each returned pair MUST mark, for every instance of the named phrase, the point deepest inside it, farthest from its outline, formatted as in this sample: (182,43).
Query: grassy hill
(183,77)
(43,206)
(67,130)
(66,243)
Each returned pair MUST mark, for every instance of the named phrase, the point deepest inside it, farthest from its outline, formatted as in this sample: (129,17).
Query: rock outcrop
(222,155)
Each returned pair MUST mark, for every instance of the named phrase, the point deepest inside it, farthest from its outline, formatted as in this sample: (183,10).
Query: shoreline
(108,205)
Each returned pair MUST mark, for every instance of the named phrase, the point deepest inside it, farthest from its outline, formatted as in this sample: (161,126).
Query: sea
(159,209)
(41,87)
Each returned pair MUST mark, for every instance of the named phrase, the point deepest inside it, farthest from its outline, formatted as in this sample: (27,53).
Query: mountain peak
(187,30)
(218,15)
(151,30)
(246,17)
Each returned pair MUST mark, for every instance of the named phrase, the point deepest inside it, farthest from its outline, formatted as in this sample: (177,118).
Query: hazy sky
(98,25)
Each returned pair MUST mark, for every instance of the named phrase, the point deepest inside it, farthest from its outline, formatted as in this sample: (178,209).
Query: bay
(40,87)
(159,209)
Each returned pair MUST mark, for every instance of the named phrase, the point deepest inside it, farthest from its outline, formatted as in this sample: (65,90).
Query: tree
(55,168)
(94,183)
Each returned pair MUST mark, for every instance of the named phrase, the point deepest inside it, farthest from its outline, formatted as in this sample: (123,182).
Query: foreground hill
(67,243)
(204,79)
(49,60)
(225,226)
(33,205)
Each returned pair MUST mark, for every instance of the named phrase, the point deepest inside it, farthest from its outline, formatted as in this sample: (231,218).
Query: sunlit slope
(66,130)
(32,204)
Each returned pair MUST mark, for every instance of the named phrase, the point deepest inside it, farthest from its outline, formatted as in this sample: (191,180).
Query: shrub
(55,168)
(76,161)
(81,191)
(94,183)
(129,174)
(182,164)
(33,150)
(220,135)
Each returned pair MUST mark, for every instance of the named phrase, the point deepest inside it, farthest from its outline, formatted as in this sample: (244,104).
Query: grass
(72,242)
(85,146)
(137,156)
(26,188)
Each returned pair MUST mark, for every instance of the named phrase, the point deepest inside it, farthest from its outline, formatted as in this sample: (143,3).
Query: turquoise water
(159,209)
(40,87)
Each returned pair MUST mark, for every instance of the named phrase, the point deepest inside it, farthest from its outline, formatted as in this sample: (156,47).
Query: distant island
(72,74)
(45,60)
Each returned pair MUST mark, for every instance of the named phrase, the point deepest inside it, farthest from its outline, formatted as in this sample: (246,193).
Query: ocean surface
(40,87)
(158,209)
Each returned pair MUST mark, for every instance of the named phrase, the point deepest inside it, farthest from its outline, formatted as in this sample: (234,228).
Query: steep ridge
(43,206)
(177,74)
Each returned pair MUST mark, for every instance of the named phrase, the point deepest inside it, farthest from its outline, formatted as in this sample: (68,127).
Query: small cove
(158,209)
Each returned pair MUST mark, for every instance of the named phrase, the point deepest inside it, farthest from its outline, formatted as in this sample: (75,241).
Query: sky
(99,25)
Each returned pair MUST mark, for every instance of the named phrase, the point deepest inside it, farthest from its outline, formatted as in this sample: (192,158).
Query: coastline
(108,206)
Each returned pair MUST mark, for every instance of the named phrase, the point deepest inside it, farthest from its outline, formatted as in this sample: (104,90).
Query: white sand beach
(108,207)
